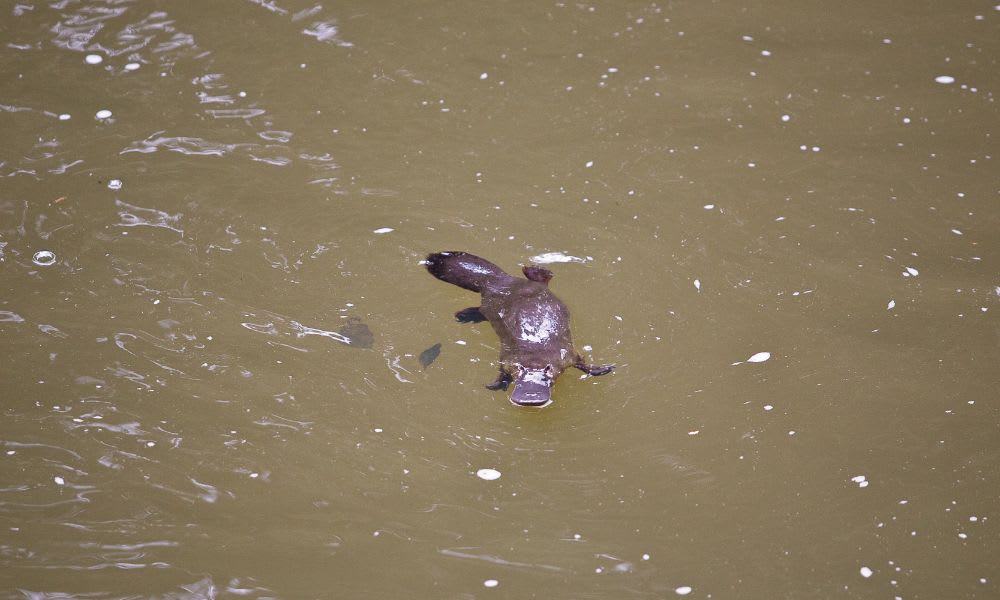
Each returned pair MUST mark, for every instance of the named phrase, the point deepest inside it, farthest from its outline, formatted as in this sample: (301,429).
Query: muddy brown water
(212,307)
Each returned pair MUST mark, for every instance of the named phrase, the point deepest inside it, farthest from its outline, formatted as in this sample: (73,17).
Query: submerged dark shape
(429,355)
(533,325)
(357,333)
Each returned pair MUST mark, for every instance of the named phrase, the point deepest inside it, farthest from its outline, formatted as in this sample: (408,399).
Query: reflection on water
(227,374)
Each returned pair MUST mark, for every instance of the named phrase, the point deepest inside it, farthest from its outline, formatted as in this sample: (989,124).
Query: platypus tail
(464,269)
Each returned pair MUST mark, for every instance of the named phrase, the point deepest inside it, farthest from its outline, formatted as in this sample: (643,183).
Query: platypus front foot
(594,370)
(470,315)
(501,383)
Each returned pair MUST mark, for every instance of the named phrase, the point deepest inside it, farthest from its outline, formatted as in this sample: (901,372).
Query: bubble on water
(65,117)
(945,79)
(44,258)
(866,572)
(132,66)
(491,583)
(94,59)
(786,118)
(115,184)
(683,590)
(103,114)
(484,76)
(488,474)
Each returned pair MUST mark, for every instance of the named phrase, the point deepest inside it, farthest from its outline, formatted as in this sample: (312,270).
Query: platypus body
(533,325)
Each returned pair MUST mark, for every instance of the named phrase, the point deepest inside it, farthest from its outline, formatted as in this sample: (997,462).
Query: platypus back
(465,270)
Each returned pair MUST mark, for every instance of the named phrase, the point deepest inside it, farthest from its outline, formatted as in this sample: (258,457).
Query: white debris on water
(484,76)
(860,480)
(911,272)
(945,79)
(589,164)
(557,257)
(59,480)
(866,572)
(891,305)
(115,184)
(94,59)
(65,117)
(683,590)
(382,230)
(697,284)
(132,66)
(491,583)
(488,474)
(759,357)
(103,114)
(708,206)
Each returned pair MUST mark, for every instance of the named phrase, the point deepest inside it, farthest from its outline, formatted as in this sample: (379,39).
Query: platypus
(533,325)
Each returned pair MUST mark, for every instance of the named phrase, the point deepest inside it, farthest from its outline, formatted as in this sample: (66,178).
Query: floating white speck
(59,480)
(133,66)
(103,114)
(684,590)
(382,230)
(94,59)
(786,118)
(913,272)
(768,407)
(377,430)
(484,76)
(645,557)
(708,206)
(65,117)
(491,583)
(946,79)
(695,432)
(765,53)
(860,480)
(957,231)
(891,305)
(866,572)
(115,184)
(697,284)
(759,357)
(488,474)
(589,164)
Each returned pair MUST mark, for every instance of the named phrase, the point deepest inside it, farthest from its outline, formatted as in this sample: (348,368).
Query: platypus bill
(533,325)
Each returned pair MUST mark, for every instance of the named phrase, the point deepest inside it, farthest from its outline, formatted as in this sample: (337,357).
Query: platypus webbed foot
(594,369)
(470,315)
(502,381)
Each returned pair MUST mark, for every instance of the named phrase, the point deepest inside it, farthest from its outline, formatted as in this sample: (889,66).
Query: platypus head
(532,386)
